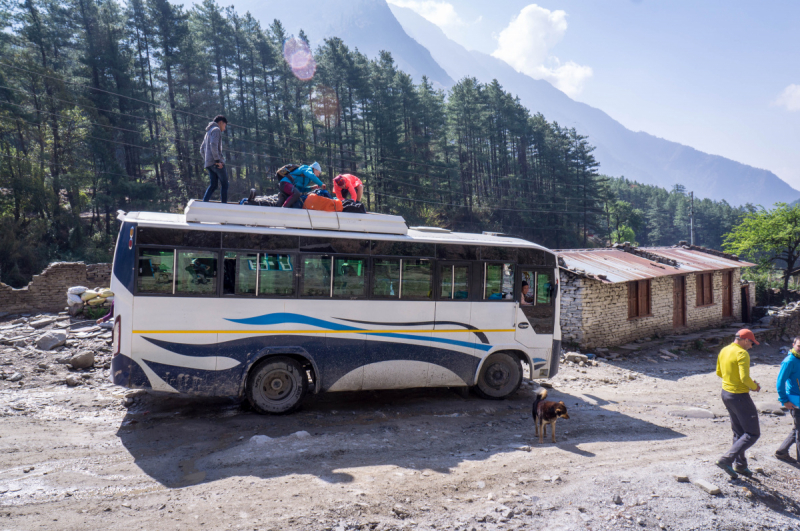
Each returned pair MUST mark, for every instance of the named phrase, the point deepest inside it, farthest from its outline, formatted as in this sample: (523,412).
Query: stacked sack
(80,295)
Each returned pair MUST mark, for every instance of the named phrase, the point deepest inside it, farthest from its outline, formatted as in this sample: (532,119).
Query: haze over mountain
(421,48)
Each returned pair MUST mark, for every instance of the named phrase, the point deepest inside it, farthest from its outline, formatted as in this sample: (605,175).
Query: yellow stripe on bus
(316,331)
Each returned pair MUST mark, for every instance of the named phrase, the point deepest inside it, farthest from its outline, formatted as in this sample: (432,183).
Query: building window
(639,299)
(705,288)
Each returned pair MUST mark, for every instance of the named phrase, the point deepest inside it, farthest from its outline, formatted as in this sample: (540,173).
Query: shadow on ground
(180,441)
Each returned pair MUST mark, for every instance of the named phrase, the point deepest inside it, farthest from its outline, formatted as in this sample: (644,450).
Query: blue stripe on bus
(295,318)
(334,357)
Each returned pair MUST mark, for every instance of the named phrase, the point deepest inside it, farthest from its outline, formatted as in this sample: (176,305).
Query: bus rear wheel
(500,376)
(276,386)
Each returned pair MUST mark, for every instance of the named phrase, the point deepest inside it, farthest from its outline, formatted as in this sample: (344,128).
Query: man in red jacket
(353,184)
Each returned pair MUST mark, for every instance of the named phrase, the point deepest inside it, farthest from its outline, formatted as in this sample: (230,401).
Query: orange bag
(317,202)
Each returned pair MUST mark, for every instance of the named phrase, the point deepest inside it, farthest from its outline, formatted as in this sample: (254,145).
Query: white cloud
(443,14)
(790,98)
(526,42)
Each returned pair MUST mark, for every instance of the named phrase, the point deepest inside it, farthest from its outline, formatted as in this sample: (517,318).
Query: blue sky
(722,76)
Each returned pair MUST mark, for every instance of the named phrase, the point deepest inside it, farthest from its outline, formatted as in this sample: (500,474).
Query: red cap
(746,333)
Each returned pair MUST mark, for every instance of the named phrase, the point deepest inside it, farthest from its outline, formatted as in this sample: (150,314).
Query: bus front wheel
(500,376)
(276,385)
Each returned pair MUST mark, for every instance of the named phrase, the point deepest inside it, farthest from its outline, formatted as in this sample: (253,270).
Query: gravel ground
(98,456)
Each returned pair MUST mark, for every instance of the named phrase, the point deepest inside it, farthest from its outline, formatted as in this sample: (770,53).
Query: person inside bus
(524,298)
(300,182)
(350,184)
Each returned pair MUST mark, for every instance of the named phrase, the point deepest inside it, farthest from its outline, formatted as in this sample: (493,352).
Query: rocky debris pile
(783,321)
(52,349)
(78,297)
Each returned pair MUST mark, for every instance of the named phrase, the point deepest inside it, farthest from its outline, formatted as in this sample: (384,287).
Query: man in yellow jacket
(733,366)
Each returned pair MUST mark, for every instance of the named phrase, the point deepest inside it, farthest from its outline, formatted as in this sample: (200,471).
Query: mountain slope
(364,24)
(620,151)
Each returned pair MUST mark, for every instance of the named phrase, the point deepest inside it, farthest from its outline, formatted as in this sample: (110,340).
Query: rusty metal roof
(615,265)
(692,260)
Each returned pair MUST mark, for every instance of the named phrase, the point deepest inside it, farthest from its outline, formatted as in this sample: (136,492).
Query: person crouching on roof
(301,181)
(353,185)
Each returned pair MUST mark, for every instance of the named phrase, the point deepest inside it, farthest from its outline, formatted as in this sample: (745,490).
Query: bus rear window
(155,271)
(196,273)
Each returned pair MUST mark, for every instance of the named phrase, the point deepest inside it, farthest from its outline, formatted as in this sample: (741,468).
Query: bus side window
(155,271)
(454,282)
(239,273)
(498,282)
(417,279)
(316,276)
(196,273)
(385,278)
(276,275)
(349,278)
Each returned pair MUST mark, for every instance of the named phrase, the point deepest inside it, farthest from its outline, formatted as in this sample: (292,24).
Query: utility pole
(691,218)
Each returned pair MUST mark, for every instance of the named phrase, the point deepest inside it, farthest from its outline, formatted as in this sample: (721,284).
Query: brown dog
(547,412)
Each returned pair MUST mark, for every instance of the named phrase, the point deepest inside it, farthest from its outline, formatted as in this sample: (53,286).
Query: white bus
(268,303)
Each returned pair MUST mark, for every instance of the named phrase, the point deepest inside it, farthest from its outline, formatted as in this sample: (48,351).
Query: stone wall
(595,314)
(47,292)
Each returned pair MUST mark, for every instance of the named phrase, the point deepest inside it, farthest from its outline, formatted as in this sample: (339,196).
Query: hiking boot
(743,470)
(252,197)
(727,469)
(785,457)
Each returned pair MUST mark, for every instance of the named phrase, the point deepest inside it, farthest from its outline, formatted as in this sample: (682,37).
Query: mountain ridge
(636,155)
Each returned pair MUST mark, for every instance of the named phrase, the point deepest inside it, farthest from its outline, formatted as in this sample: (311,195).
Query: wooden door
(679,302)
(727,294)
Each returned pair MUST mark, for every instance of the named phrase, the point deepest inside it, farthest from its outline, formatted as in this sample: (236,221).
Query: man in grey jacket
(211,149)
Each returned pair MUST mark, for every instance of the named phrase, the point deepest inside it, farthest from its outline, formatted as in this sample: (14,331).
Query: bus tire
(500,376)
(276,385)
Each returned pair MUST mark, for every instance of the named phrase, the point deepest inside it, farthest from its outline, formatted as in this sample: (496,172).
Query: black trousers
(794,437)
(744,423)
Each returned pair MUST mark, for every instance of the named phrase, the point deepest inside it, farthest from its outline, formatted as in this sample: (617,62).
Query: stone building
(613,296)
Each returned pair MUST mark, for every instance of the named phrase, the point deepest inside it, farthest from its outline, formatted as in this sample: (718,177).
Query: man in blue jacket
(300,181)
(789,384)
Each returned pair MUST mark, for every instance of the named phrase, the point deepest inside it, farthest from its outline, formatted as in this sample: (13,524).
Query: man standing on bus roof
(211,149)
(733,366)
(353,184)
(300,181)
(788,385)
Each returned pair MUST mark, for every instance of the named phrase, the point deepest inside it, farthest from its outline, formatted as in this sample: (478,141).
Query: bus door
(453,314)
(537,311)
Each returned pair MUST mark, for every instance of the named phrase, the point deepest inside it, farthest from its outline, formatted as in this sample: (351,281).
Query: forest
(103,106)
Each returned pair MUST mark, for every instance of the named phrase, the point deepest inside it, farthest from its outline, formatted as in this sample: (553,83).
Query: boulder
(576,357)
(41,323)
(82,360)
(51,340)
(72,381)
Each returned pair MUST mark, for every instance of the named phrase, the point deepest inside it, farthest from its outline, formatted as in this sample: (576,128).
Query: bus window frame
(438,280)
(484,276)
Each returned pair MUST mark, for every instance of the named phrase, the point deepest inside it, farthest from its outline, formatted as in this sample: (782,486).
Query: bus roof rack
(296,218)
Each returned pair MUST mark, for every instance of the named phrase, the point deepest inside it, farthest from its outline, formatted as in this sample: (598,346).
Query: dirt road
(100,457)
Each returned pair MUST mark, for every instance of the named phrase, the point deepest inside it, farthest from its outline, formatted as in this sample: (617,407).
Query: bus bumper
(127,373)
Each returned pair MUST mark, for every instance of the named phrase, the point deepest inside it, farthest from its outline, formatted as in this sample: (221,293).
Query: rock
(41,323)
(576,357)
(681,479)
(706,486)
(616,499)
(546,385)
(82,360)
(581,364)
(51,340)
(400,511)
(302,434)
(72,381)
(17,376)
(480,485)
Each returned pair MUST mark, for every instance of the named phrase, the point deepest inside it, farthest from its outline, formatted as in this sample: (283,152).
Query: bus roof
(364,223)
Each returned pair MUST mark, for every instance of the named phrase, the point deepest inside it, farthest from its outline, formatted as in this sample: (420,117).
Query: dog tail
(541,394)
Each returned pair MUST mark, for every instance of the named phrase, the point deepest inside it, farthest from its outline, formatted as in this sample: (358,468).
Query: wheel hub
(497,375)
(277,384)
